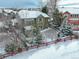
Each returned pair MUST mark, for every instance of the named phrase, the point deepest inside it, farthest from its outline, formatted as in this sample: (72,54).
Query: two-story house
(73,18)
(35,18)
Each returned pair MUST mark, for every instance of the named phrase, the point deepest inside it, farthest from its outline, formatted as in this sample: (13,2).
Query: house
(35,18)
(6,15)
(72,18)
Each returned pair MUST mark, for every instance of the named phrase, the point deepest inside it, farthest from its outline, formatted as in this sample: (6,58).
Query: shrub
(10,48)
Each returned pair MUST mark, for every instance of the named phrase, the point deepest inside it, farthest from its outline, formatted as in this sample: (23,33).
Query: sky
(34,3)
(69,3)
(21,3)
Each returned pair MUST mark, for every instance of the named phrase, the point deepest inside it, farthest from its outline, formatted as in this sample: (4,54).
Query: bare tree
(51,4)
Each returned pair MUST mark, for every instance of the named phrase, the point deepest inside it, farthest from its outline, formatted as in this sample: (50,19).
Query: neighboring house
(35,18)
(73,18)
(33,9)
(10,13)
(3,17)
(6,15)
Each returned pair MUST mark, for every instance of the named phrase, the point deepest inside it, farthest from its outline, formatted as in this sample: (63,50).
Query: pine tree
(38,36)
(38,39)
(45,9)
(65,31)
(10,48)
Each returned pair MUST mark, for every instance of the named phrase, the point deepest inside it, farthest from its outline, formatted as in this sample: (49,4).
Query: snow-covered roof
(9,11)
(70,10)
(1,24)
(28,27)
(31,14)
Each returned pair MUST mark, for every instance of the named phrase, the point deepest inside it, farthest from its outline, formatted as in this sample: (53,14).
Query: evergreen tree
(10,48)
(65,31)
(38,36)
(38,39)
(45,9)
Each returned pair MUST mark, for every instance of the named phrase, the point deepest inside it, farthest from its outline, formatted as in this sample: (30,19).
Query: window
(77,15)
(71,16)
(39,19)
(74,15)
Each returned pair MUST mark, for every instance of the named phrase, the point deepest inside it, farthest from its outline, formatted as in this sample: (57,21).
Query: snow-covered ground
(2,51)
(62,51)
(25,54)
(49,34)
(65,50)
(5,38)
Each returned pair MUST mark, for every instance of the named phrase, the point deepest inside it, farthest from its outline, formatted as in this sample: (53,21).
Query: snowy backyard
(64,50)
(39,29)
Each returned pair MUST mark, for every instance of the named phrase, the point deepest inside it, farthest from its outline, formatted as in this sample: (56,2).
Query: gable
(40,16)
(66,12)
